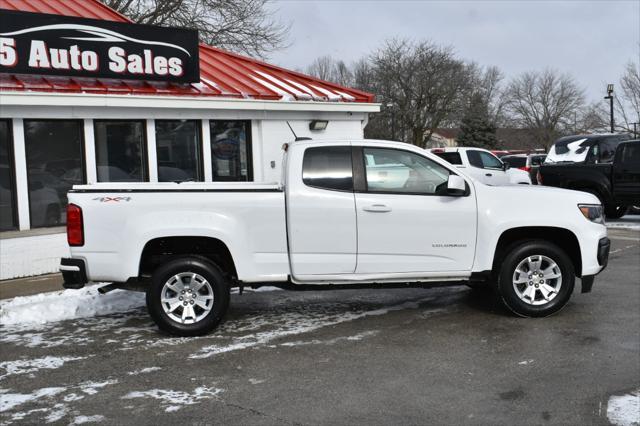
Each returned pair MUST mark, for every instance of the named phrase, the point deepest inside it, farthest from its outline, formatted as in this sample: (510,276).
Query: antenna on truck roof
(301,138)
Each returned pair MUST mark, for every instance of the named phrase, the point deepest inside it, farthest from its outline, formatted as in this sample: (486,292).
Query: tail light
(525,168)
(437,150)
(75,227)
(539,178)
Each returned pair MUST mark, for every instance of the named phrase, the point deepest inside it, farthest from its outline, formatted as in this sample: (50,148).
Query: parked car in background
(612,176)
(529,163)
(484,166)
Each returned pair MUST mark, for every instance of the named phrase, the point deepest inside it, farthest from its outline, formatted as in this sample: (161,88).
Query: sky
(591,40)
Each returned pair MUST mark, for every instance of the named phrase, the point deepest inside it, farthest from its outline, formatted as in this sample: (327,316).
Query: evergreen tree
(476,128)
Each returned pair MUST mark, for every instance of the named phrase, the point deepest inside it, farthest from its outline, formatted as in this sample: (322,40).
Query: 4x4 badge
(114,199)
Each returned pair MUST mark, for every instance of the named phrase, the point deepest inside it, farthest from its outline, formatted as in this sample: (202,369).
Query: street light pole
(391,106)
(610,97)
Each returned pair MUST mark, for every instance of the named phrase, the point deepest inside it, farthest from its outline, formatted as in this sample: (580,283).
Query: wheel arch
(158,250)
(563,238)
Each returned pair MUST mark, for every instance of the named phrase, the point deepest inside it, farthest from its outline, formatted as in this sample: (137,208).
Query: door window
(328,168)
(398,171)
(483,160)
(631,155)
(608,149)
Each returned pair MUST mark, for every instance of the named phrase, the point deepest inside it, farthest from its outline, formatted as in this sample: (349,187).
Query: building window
(120,150)
(54,150)
(231,150)
(8,211)
(178,150)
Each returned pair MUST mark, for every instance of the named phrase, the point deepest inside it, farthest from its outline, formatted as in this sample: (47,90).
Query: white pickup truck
(483,165)
(359,213)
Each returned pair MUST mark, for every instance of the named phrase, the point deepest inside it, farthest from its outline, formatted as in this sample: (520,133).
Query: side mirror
(506,166)
(456,185)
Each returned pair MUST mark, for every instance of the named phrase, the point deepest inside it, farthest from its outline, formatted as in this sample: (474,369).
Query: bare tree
(329,69)
(419,85)
(545,102)
(244,26)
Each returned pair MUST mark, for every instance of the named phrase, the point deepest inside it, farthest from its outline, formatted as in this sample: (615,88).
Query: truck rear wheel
(536,279)
(188,296)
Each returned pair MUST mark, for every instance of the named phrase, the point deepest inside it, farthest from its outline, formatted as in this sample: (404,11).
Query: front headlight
(593,212)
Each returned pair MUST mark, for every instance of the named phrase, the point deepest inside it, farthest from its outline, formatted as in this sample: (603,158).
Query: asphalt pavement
(399,356)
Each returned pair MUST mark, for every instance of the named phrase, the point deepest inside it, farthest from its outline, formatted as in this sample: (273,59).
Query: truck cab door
(321,217)
(487,168)
(407,223)
(626,173)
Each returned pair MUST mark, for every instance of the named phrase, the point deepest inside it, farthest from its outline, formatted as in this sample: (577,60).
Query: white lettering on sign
(38,57)
(8,57)
(116,59)
(41,56)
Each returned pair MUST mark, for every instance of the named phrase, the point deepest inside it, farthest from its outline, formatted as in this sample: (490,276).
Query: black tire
(206,269)
(505,286)
(615,212)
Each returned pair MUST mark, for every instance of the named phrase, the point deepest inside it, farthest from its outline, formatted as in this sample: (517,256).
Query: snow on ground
(265,328)
(66,304)
(11,400)
(23,366)
(78,420)
(175,400)
(624,410)
(73,304)
(144,371)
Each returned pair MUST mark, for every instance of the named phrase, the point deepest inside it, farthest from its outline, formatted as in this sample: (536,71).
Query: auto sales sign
(34,43)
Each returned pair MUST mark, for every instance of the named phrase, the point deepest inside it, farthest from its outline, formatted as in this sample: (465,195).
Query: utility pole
(610,97)
(635,132)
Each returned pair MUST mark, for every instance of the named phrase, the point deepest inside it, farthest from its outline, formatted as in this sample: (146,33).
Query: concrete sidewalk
(30,285)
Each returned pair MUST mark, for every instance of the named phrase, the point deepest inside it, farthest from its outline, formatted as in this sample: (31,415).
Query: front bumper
(74,273)
(604,246)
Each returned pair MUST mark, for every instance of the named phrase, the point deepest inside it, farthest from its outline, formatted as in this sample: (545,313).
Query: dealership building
(86,96)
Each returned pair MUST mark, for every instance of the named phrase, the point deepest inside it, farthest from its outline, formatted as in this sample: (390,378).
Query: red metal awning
(222,73)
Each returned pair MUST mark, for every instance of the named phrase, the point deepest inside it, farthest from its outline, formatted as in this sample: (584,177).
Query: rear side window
(451,157)
(328,168)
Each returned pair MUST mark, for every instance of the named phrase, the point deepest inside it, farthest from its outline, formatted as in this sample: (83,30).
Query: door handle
(377,208)
(488,174)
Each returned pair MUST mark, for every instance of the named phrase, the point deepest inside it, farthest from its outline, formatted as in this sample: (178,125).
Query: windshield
(572,152)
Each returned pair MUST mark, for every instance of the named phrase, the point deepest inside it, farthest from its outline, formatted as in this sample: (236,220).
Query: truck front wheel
(536,279)
(188,296)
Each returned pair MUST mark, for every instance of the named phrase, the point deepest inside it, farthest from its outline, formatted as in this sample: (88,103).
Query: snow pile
(66,304)
(624,410)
